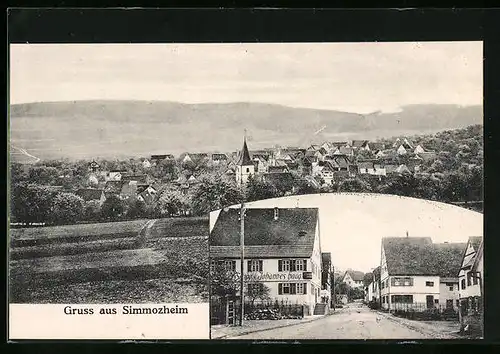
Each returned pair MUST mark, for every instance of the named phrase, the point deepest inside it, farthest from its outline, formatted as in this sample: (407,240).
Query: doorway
(430,301)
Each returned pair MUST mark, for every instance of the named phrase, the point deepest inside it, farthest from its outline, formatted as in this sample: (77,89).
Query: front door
(430,301)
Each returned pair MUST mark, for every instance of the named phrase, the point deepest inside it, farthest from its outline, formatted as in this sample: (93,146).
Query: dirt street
(355,321)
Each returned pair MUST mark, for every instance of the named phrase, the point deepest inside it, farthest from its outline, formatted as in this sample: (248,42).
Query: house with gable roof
(417,273)
(282,251)
(354,278)
(470,289)
(88,194)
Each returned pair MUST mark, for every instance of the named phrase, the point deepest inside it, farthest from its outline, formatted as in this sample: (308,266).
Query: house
(282,251)
(470,292)
(218,158)
(155,159)
(360,145)
(260,163)
(326,172)
(88,194)
(146,193)
(277,169)
(354,278)
(419,149)
(402,169)
(113,188)
(146,163)
(427,155)
(139,179)
(418,274)
(376,147)
(390,169)
(128,190)
(93,166)
(115,175)
(244,166)
(379,169)
(403,142)
(194,157)
(344,150)
(367,282)
(366,167)
(326,272)
(313,147)
(401,150)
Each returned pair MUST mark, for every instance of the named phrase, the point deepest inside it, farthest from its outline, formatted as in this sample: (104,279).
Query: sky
(353,77)
(352,225)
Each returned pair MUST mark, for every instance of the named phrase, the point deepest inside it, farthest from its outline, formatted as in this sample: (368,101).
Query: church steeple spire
(245,159)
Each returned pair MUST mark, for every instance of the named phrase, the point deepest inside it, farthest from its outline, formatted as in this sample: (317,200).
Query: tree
(170,202)
(355,185)
(257,291)
(257,189)
(31,203)
(92,210)
(44,175)
(214,192)
(136,208)
(67,208)
(224,282)
(112,208)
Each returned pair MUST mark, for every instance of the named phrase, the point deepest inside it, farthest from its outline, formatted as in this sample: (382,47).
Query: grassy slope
(102,269)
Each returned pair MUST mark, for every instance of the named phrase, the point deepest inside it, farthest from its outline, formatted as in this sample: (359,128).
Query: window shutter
(305,265)
(293,289)
(260,266)
(249,266)
(280,266)
(293,263)
(305,288)
(280,288)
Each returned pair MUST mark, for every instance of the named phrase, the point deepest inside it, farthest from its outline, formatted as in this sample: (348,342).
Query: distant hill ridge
(83,129)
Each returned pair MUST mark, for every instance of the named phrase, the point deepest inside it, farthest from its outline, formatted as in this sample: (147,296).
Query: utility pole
(242,259)
(333,284)
(242,244)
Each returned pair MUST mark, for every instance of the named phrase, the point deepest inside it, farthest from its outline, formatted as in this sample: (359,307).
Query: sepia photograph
(352,204)
(298,190)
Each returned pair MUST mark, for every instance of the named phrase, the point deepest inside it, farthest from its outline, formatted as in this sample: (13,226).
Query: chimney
(276,214)
(407,234)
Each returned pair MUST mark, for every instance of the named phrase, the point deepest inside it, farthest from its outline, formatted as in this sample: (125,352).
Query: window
(429,283)
(400,281)
(248,170)
(474,279)
(284,265)
(255,265)
(230,265)
(469,278)
(402,299)
(458,303)
(451,288)
(436,301)
(463,284)
(292,288)
(301,288)
(292,265)
(300,265)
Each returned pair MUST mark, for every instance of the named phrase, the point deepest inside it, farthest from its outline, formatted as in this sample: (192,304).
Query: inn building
(282,251)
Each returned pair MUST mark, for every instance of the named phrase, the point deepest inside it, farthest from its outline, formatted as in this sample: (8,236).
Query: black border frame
(86,25)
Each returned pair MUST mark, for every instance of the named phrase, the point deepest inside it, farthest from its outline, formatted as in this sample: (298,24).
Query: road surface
(356,321)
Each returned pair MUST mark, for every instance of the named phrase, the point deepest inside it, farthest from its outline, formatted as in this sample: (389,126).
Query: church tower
(245,167)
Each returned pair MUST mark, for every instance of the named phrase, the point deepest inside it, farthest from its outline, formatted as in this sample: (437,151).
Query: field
(91,264)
